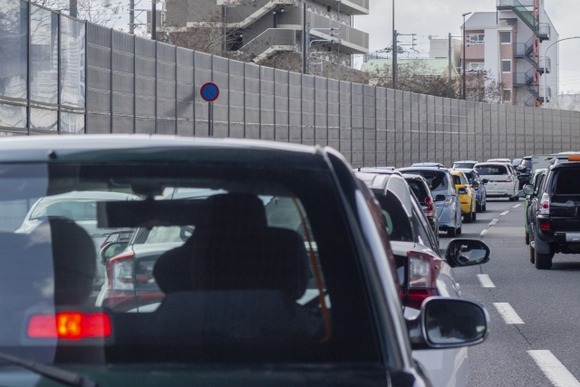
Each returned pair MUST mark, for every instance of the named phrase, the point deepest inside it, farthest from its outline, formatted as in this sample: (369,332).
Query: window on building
(506,95)
(475,38)
(505,36)
(506,66)
(476,66)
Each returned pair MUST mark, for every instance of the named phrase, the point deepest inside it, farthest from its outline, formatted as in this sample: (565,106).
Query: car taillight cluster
(545,204)
(69,326)
(422,278)
(430,205)
(120,272)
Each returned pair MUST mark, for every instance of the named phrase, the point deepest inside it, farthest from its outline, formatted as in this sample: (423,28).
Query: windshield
(222,269)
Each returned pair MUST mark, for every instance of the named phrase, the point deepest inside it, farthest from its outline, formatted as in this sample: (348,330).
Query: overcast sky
(438,18)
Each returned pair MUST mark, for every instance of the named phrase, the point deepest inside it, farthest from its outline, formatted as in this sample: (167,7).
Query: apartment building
(511,45)
(258,29)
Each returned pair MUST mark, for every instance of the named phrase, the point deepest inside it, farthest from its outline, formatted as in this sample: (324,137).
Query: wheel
(543,261)
(478,207)
(474,216)
(484,207)
(532,254)
(527,238)
(467,218)
(458,231)
(451,232)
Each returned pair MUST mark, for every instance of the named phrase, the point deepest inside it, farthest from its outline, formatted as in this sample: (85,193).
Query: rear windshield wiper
(62,376)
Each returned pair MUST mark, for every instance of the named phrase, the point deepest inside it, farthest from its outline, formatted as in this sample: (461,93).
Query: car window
(436,180)
(399,225)
(260,243)
(425,234)
(492,170)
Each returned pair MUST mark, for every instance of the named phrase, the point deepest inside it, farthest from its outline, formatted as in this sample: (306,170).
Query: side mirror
(448,323)
(466,252)
(475,183)
(485,181)
(111,250)
(528,189)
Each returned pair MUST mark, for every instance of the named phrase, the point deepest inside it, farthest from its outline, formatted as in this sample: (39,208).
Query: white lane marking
(554,370)
(508,313)
(504,213)
(485,281)
(516,206)
(482,233)
(493,222)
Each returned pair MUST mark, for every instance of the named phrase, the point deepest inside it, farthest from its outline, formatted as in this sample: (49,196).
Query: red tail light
(69,326)
(429,203)
(423,269)
(545,204)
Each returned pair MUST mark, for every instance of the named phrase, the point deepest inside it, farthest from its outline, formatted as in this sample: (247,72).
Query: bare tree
(479,86)
(416,77)
(107,12)
(209,36)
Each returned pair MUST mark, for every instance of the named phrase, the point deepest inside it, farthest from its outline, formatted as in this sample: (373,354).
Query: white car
(502,182)
(422,270)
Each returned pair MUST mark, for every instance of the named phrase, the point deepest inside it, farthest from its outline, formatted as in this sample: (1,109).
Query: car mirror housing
(112,249)
(528,189)
(448,323)
(466,252)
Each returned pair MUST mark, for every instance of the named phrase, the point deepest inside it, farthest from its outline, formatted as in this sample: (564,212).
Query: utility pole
(463,60)
(449,64)
(153,19)
(73,8)
(395,49)
(132,17)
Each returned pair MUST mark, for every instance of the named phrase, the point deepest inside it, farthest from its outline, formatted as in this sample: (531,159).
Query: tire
(477,208)
(451,232)
(484,207)
(474,216)
(458,231)
(528,238)
(543,261)
(467,218)
(532,254)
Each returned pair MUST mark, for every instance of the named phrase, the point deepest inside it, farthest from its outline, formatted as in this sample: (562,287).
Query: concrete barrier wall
(134,85)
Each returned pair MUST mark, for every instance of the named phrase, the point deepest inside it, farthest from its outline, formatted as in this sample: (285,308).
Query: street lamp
(463,59)
(545,60)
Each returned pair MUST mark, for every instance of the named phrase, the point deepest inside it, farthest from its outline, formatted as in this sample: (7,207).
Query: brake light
(429,203)
(69,326)
(545,204)
(120,272)
(423,269)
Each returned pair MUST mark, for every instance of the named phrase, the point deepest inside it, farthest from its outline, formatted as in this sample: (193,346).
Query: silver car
(446,199)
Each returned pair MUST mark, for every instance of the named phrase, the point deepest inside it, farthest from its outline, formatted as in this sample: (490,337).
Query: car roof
(102,146)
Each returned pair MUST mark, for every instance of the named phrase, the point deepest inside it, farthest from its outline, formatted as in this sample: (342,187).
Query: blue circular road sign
(209,91)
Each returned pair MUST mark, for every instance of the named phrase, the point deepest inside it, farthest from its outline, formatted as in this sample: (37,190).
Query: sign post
(209,91)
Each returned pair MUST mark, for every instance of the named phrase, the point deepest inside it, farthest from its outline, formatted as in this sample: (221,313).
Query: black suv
(555,227)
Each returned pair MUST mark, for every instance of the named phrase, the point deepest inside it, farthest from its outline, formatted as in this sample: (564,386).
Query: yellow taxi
(466,195)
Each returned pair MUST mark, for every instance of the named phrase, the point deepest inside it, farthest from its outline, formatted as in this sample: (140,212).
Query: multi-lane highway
(535,318)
